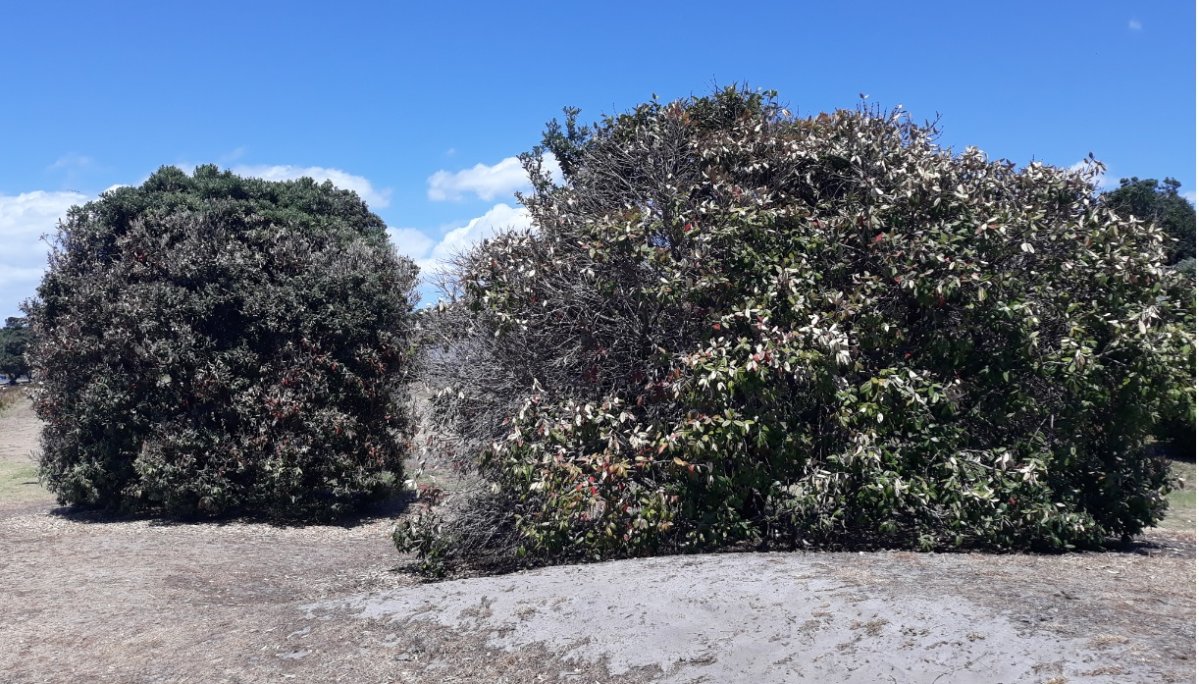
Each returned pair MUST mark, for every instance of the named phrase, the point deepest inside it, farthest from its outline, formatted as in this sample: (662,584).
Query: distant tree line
(14,341)
(1160,203)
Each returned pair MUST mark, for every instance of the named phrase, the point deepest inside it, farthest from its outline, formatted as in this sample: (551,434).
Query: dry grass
(9,396)
(18,483)
(1181,515)
(18,445)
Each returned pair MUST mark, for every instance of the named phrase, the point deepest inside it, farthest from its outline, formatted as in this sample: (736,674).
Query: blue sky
(420,106)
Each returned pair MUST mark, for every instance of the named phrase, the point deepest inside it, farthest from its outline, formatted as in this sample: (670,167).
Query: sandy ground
(84,598)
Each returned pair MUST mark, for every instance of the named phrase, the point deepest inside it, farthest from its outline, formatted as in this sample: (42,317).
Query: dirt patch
(829,617)
(85,598)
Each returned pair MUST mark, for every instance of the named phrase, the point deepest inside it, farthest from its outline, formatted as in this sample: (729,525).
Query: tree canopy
(1159,203)
(215,344)
(14,341)
(734,326)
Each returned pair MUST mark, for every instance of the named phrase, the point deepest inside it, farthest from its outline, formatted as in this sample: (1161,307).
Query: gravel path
(86,598)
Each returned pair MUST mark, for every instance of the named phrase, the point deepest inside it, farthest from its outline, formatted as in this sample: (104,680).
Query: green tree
(1159,202)
(213,344)
(14,340)
(733,326)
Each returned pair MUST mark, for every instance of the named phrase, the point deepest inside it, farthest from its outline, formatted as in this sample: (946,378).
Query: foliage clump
(733,327)
(212,344)
(14,341)
(1160,203)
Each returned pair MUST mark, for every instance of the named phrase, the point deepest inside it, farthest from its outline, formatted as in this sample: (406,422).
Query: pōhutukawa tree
(214,344)
(734,327)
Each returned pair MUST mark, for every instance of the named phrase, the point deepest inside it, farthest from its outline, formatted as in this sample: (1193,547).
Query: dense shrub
(732,326)
(214,344)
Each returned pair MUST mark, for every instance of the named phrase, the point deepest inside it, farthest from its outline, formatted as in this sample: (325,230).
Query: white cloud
(1134,24)
(410,242)
(486,182)
(433,255)
(376,198)
(24,219)
(19,275)
(1189,195)
(499,218)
